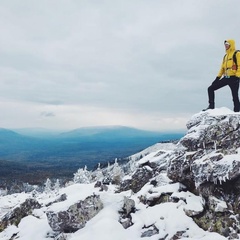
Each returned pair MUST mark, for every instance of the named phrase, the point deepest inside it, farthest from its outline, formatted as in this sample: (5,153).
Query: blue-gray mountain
(34,154)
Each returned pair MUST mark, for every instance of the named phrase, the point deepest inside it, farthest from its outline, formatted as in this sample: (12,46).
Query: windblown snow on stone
(180,190)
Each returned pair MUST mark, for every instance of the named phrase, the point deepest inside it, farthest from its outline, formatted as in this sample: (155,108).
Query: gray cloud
(47,114)
(130,58)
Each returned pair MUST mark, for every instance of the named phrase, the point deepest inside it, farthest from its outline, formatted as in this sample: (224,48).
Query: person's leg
(211,91)
(234,86)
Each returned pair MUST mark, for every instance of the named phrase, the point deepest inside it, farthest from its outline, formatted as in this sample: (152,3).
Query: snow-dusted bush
(82,176)
(132,165)
(117,173)
(56,186)
(48,186)
(98,174)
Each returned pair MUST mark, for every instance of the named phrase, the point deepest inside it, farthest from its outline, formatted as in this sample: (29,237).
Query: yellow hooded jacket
(228,67)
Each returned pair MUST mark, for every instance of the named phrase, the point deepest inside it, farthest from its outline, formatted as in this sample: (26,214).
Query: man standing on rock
(229,74)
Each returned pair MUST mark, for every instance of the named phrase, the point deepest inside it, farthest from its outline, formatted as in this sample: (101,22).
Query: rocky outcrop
(125,213)
(101,186)
(196,180)
(138,180)
(61,198)
(149,231)
(207,130)
(207,162)
(208,152)
(76,216)
(203,167)
(14,217)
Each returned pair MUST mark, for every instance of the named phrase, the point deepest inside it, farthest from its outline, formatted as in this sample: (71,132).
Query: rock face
(208,152)
(138,180)
(204,167)
(197,177)
(23,210)
(208,163)
(125,213)
(76,216)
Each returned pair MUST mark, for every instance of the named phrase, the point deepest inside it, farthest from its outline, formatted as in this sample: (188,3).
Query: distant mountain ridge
(21,143)
(14,142)
(7,132)
(110,132)
(18,144)
(39,152)
(97,132)
(37,132)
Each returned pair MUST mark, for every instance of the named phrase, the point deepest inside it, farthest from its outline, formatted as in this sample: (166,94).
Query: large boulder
(207,162)
(138,180)
(125,213)
(210,130)
(14,216)
(76,216)
(209,152)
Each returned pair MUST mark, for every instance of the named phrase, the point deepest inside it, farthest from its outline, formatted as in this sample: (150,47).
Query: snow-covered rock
(217,205)
(211,150)
(76,216)
(17,213)
(183,190)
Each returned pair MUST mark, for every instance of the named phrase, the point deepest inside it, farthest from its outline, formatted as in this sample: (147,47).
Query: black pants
(233,83)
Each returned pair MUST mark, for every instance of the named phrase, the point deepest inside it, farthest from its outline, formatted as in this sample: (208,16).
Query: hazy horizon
(71,64)
(92,127)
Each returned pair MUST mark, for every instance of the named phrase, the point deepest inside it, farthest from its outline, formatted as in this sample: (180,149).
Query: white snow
(75,193)
(196,129)
(220,206)
(153,150)
(10,201)
(221,111)
(168,217)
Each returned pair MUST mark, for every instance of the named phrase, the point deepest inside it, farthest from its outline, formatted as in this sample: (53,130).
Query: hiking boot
(210,106)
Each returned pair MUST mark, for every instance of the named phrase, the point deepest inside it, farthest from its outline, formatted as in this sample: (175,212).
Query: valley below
(31,158)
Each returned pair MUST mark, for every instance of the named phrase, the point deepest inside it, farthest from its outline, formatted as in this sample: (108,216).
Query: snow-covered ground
(168,217)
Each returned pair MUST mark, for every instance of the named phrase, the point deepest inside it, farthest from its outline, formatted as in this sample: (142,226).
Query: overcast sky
(66,64)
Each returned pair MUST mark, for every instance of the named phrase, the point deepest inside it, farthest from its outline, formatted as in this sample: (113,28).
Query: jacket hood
(232,45)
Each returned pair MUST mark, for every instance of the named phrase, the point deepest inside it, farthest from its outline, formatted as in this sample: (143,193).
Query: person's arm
(238,64)
(221,71)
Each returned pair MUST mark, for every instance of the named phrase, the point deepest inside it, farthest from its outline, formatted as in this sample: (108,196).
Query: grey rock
(138,180)
(152,230)
(62,198)
(125,213)
(76,216)
(128,206)
(103,187)
(207,163)
(23,210)
(211,139)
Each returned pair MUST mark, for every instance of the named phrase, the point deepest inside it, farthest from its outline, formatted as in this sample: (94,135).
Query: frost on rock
(210,153)
(184,190)
(194,204)
(209,164)
(206,130)
(76,216)
(217,169)
(217,205)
